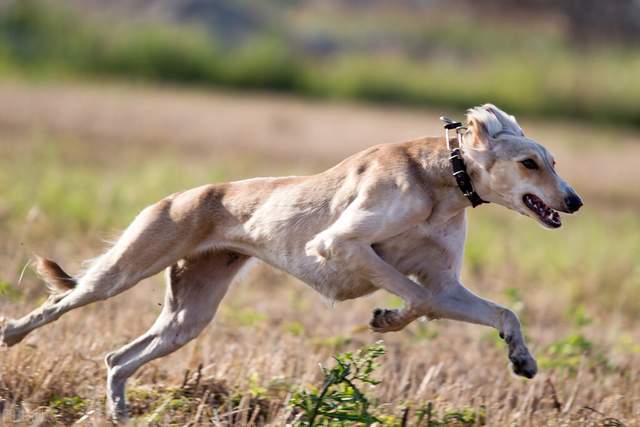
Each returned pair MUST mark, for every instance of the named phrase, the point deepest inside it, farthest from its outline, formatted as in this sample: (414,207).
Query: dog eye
(529,164)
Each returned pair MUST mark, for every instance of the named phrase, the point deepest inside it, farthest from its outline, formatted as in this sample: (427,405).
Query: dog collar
(457,163)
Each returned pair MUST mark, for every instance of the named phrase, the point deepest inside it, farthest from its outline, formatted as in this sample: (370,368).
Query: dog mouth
(546,215)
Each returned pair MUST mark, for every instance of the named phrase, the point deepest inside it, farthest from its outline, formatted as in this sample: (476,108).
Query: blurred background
(548,58)
(105,107)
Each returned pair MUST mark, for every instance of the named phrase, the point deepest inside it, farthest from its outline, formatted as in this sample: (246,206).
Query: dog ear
(479,135)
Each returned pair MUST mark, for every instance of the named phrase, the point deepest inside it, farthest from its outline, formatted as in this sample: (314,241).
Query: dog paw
(385,320)
(117,410)
(7,338)
(523,364)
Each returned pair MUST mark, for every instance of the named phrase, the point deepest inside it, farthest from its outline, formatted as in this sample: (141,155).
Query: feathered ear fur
(487,122)
(480,139)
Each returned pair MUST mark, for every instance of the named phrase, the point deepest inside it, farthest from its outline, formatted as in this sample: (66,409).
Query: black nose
(573,202)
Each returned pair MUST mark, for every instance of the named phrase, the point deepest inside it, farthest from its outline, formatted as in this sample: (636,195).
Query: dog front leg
(456,302)
(359,257)
(347,242)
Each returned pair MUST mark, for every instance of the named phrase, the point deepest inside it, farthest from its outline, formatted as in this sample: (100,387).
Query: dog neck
(433,155)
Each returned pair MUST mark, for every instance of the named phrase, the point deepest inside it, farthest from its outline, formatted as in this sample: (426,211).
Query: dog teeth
(546,213)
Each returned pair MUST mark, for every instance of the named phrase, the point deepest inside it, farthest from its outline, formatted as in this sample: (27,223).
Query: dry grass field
(78,161)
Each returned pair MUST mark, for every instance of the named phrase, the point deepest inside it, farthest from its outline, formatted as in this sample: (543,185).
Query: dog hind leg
(195,287)
(152,242)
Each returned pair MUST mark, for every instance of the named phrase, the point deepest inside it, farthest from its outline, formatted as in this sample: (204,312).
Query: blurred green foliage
(67,408)
(428,416)
(41,40)
(466,63)
(94,196)
(9,291)
(569,352)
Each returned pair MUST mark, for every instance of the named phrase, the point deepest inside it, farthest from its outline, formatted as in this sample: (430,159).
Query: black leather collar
(463,179)
(457,164)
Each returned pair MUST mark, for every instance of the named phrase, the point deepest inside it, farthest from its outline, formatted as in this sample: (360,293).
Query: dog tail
(57,280)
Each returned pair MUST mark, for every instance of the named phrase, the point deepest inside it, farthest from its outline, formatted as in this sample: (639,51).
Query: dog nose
(573,202)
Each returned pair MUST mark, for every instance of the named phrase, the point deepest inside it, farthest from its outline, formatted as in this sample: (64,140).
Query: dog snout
(572,202)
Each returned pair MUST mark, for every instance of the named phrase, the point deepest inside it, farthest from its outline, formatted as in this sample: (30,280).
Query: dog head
(515,171)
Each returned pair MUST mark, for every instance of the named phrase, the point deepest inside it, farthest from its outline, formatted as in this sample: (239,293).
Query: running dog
(385,214)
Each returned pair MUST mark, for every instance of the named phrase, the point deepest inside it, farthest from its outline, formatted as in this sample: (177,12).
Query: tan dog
(384,214)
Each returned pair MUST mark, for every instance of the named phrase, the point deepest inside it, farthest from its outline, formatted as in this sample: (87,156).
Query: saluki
(390,217)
